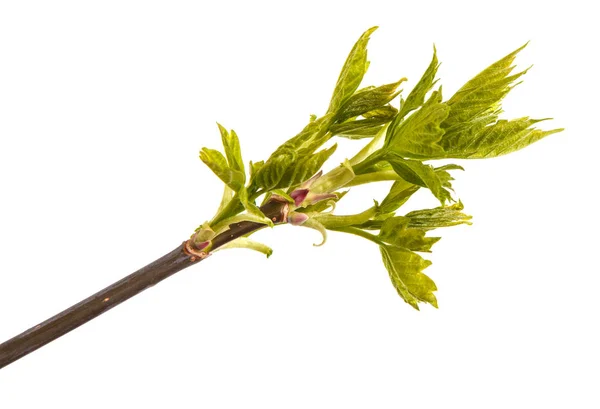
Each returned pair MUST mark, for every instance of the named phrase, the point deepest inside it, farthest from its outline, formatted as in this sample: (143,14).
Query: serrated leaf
(445,176)
(405,269)
(228,194)
(283,166)
(352,72)
(420,174)
(438,217)
(367,100)
(233,152)
(395,230)
(399,194)
(305,167)
(246,243)
(359,129)
(386,112)
(416,97)
(498,139)
(419,135)
(218,164)
(479,99)
(252,209)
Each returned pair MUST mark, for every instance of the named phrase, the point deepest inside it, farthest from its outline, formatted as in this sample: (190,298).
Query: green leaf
(478,101)
(323,205)
(417,96)
(366,100)
(360,129)
(386,112)
(228,194)
(314,224)
(438,217)
(284,166)
(352,73)
(395,230)
(246,243)
(419,135)
(218,164)
(252,209)
(254,167)
(231,143)
(400,192)
(418,173)
(500,138)
(305,167)
(445,176)
(405,269)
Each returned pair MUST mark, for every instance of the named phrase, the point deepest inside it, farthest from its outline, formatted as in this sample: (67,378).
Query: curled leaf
(246,243)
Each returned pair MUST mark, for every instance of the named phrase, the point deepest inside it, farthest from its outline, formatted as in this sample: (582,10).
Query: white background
(103,108)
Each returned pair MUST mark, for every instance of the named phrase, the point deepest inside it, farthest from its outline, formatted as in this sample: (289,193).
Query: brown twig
(122,290)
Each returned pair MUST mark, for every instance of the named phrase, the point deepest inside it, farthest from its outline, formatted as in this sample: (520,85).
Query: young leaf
(386,112)
(359,129)
(314,224)
(252,209)
(400,192)
(366,100)
(305,167)
(500,138)
(419,135)
(417,96)
(438,217)
(481,95)
(418,173)
(395,230)
(280,169)
(218,164)
(352,73)
(231,144)
(405,269)
(330,221)
(246,243)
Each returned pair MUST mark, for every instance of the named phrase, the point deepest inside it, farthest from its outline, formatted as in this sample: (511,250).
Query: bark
(181,257)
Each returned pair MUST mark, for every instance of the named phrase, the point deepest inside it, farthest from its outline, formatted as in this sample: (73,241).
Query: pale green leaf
(233,152)
(438,217)
(305,167)
(395,230)
(252,209)
(406,272)
(477,103)
(417,96)
(420,174)
(285,166)
(360,129)
(367,100)
(315,225)
(500,138)
(386,112)
(400,192)
(418,136)
(228,194)
(218,164)
(352,72)
(246,243)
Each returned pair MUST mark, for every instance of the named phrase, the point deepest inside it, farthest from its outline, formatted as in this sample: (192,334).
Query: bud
(296,219)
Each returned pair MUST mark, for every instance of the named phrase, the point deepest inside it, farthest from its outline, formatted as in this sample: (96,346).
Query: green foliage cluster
(401,139)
